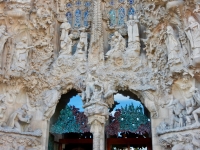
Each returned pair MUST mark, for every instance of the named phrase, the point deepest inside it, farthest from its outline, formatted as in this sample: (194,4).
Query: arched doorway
(129,126)
(125,131)
(68,125)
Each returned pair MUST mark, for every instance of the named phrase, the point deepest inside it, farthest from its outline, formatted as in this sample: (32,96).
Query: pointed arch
(121,16)
(77,21)
(131,11)
(112,17)
(86,16)
(69,17)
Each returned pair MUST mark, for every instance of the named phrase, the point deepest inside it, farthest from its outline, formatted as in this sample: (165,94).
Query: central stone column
(97,114)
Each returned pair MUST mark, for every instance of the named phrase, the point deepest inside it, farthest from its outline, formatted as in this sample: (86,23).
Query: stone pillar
(97,114)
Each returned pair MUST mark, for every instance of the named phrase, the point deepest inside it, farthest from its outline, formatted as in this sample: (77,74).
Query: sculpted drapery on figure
(20,119)
(3,38)
(20,59)
(118,44)
(193,34)
(177,113)
(51,98)
(2,106)
(133,31)
(172,47)
(65,38)
(83,38)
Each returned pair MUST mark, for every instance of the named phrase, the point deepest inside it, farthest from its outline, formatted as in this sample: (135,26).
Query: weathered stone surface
(49,47)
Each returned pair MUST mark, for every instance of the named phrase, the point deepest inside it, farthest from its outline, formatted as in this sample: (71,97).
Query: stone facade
(98,47)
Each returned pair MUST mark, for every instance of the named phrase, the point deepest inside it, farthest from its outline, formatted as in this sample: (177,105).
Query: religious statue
(3,38)
(83,38)
(133,31)
(177,113)
(51,98)
(20,59)
(172,46)
(89,87)
(118,44)
(109,93)
(80,53)
(193,34)
(190,107)
(196,112)
(2,106)
(97,95)
(65,38)
(20,119)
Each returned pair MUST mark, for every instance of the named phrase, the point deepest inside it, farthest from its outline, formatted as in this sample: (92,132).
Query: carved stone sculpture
(118,47)
(190,107)
(133,31)
(50,99)
(3,38)
(193,34)
(97,95)
(177,118)
(65,39)
(20,59)
(196,112)
(118,44)
(2,106)
(89,87)
(173,50)
(84,38)
(109,58)
(20,120)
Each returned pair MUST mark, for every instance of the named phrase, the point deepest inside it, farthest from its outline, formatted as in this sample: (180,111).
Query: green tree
(66,122)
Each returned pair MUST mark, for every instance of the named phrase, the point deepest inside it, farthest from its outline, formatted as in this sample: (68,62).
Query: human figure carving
(177,113)
(20,119)
(196,112)
(119,46)
(172,47)
(190,107)
(20,58)
(2,106)
(133,31)
(51,98)
(80,53)
(65,38)
(3,38)
(97,92)
(89,87)
(83,38)
(193,34)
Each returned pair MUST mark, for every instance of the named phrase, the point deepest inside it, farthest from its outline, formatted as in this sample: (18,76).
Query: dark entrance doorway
(75,141)
(129,126)
(68,126)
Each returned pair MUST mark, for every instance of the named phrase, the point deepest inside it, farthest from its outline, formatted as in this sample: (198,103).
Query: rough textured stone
(49,47)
